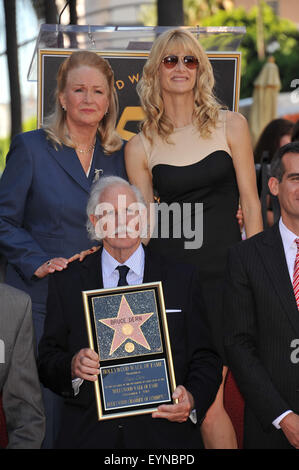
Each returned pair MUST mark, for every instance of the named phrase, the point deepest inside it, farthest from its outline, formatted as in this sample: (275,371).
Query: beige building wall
(286,8)
(110,12)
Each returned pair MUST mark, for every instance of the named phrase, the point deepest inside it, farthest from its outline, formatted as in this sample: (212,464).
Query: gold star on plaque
(127,326)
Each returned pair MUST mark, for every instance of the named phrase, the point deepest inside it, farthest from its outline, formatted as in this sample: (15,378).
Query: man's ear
(273,184)
(93,219)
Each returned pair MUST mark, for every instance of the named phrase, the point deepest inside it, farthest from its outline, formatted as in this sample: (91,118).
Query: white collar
(288,237)
(135,262)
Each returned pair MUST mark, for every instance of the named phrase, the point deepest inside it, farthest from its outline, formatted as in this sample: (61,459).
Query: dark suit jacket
(262,319)
(196,365)
(43,193)
(19,384)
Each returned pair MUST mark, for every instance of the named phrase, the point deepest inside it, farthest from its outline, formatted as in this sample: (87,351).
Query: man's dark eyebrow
(291,175)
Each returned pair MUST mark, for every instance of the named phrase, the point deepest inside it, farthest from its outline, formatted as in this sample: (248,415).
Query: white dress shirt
(135,264)
(290,251)
(289,246)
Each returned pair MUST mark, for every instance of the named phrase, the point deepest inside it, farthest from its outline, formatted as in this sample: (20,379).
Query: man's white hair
(96,192)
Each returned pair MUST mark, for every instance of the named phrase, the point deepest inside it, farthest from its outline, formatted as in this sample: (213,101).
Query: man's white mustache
(123,229)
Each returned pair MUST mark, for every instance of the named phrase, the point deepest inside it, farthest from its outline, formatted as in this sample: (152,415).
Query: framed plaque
(127,327)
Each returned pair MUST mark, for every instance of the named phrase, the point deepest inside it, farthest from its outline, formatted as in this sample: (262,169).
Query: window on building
(274,4)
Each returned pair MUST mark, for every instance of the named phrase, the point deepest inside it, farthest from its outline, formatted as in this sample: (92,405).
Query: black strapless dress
(212,182)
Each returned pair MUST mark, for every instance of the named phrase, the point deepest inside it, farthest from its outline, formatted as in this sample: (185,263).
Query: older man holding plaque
(69,367)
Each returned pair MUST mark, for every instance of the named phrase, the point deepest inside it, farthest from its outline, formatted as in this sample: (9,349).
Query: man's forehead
(291,156)
(115,193)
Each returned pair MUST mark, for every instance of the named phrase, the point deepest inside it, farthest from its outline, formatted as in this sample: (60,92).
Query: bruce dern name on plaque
(127,327)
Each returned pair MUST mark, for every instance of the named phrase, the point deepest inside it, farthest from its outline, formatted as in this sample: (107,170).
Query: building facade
(288,9)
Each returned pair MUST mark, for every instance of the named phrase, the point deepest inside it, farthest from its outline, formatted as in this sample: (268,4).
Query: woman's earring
(63,108)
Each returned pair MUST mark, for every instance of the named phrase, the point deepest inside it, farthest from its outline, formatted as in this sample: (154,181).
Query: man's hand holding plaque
(85,365)
(180,410)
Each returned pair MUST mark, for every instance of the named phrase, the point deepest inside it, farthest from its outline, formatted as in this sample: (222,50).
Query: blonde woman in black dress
(190,150)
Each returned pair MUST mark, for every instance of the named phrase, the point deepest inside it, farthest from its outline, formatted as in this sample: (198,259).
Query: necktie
(123,271)
(296,274)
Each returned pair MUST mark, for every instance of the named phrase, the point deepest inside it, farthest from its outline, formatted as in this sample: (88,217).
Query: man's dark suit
(261,320)
(65,334)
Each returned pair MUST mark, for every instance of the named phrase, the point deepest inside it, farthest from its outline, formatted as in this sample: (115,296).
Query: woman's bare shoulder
(235,120)
(135,147)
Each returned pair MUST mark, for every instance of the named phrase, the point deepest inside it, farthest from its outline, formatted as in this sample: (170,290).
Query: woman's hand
(240,218)
(54,264)
(83,254)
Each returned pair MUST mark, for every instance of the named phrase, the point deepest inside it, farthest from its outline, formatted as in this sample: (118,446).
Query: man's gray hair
(96,192)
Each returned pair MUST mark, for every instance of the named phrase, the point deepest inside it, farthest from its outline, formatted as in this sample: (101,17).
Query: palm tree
(73,12)
(260,31)
(170,13)
(13,66)
(46,10)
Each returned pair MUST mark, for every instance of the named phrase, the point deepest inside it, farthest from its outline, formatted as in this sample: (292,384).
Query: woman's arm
(16,241)
(137,168)
(139,174)
(239,141)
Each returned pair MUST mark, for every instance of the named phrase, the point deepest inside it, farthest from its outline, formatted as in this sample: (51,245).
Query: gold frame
(237,84)
(90,325)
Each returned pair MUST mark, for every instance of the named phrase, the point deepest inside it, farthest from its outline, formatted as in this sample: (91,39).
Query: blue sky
(27,28)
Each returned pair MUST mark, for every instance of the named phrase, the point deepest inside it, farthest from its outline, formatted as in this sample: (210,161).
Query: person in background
(19,383)
(46,182)
(192,151)
(276,134)
(295,133)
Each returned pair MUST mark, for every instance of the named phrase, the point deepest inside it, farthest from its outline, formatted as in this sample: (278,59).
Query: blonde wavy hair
(206,106)
(55,125)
